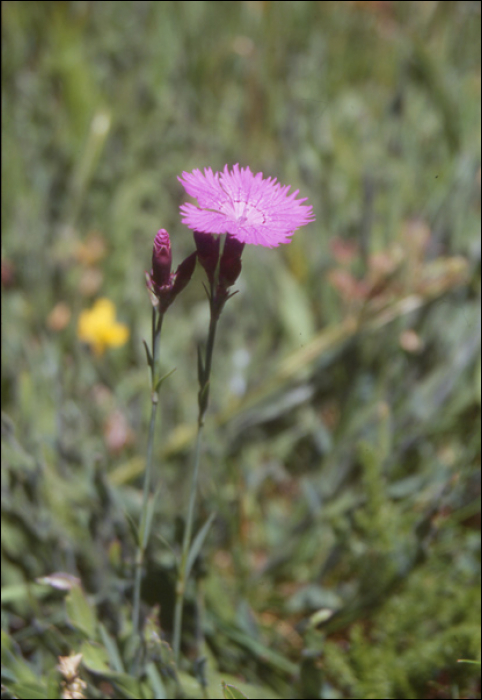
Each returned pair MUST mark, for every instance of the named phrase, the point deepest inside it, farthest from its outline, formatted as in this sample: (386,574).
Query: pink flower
(251,209)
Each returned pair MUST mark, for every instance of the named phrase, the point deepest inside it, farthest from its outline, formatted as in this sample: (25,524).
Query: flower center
(242,212)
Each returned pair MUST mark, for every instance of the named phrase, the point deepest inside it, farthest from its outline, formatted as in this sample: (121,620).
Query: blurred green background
(342,450)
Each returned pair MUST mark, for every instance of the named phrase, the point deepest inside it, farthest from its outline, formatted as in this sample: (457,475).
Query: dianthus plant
(234,208)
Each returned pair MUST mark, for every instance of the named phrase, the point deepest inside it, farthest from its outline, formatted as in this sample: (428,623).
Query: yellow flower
(98,327)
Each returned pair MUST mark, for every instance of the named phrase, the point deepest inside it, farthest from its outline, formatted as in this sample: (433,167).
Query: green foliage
(230,692)
(343,438)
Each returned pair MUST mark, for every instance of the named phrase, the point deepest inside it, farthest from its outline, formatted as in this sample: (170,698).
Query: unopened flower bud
(183,274)
(161,258)
(230,266)
(207,246)
(164,285)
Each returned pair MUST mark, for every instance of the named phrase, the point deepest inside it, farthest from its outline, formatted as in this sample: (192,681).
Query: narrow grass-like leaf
(151,506)
(22,591)
(155,679)
(148,354)
(198,543)
(163,378)
(25,691)
(133,527)
(52,684)
(80,612)
(231,692)
(126,686)
(112,650)
(259,650)
(14,668)
(95,658)
(166,544)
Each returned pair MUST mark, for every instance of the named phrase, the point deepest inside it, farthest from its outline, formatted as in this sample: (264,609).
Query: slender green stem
(200,640)
(209,357)
(143,530)
(181,582)
(186,542)
(204,380)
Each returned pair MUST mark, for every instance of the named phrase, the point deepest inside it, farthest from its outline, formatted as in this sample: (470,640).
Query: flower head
(98,327)
(253,210)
